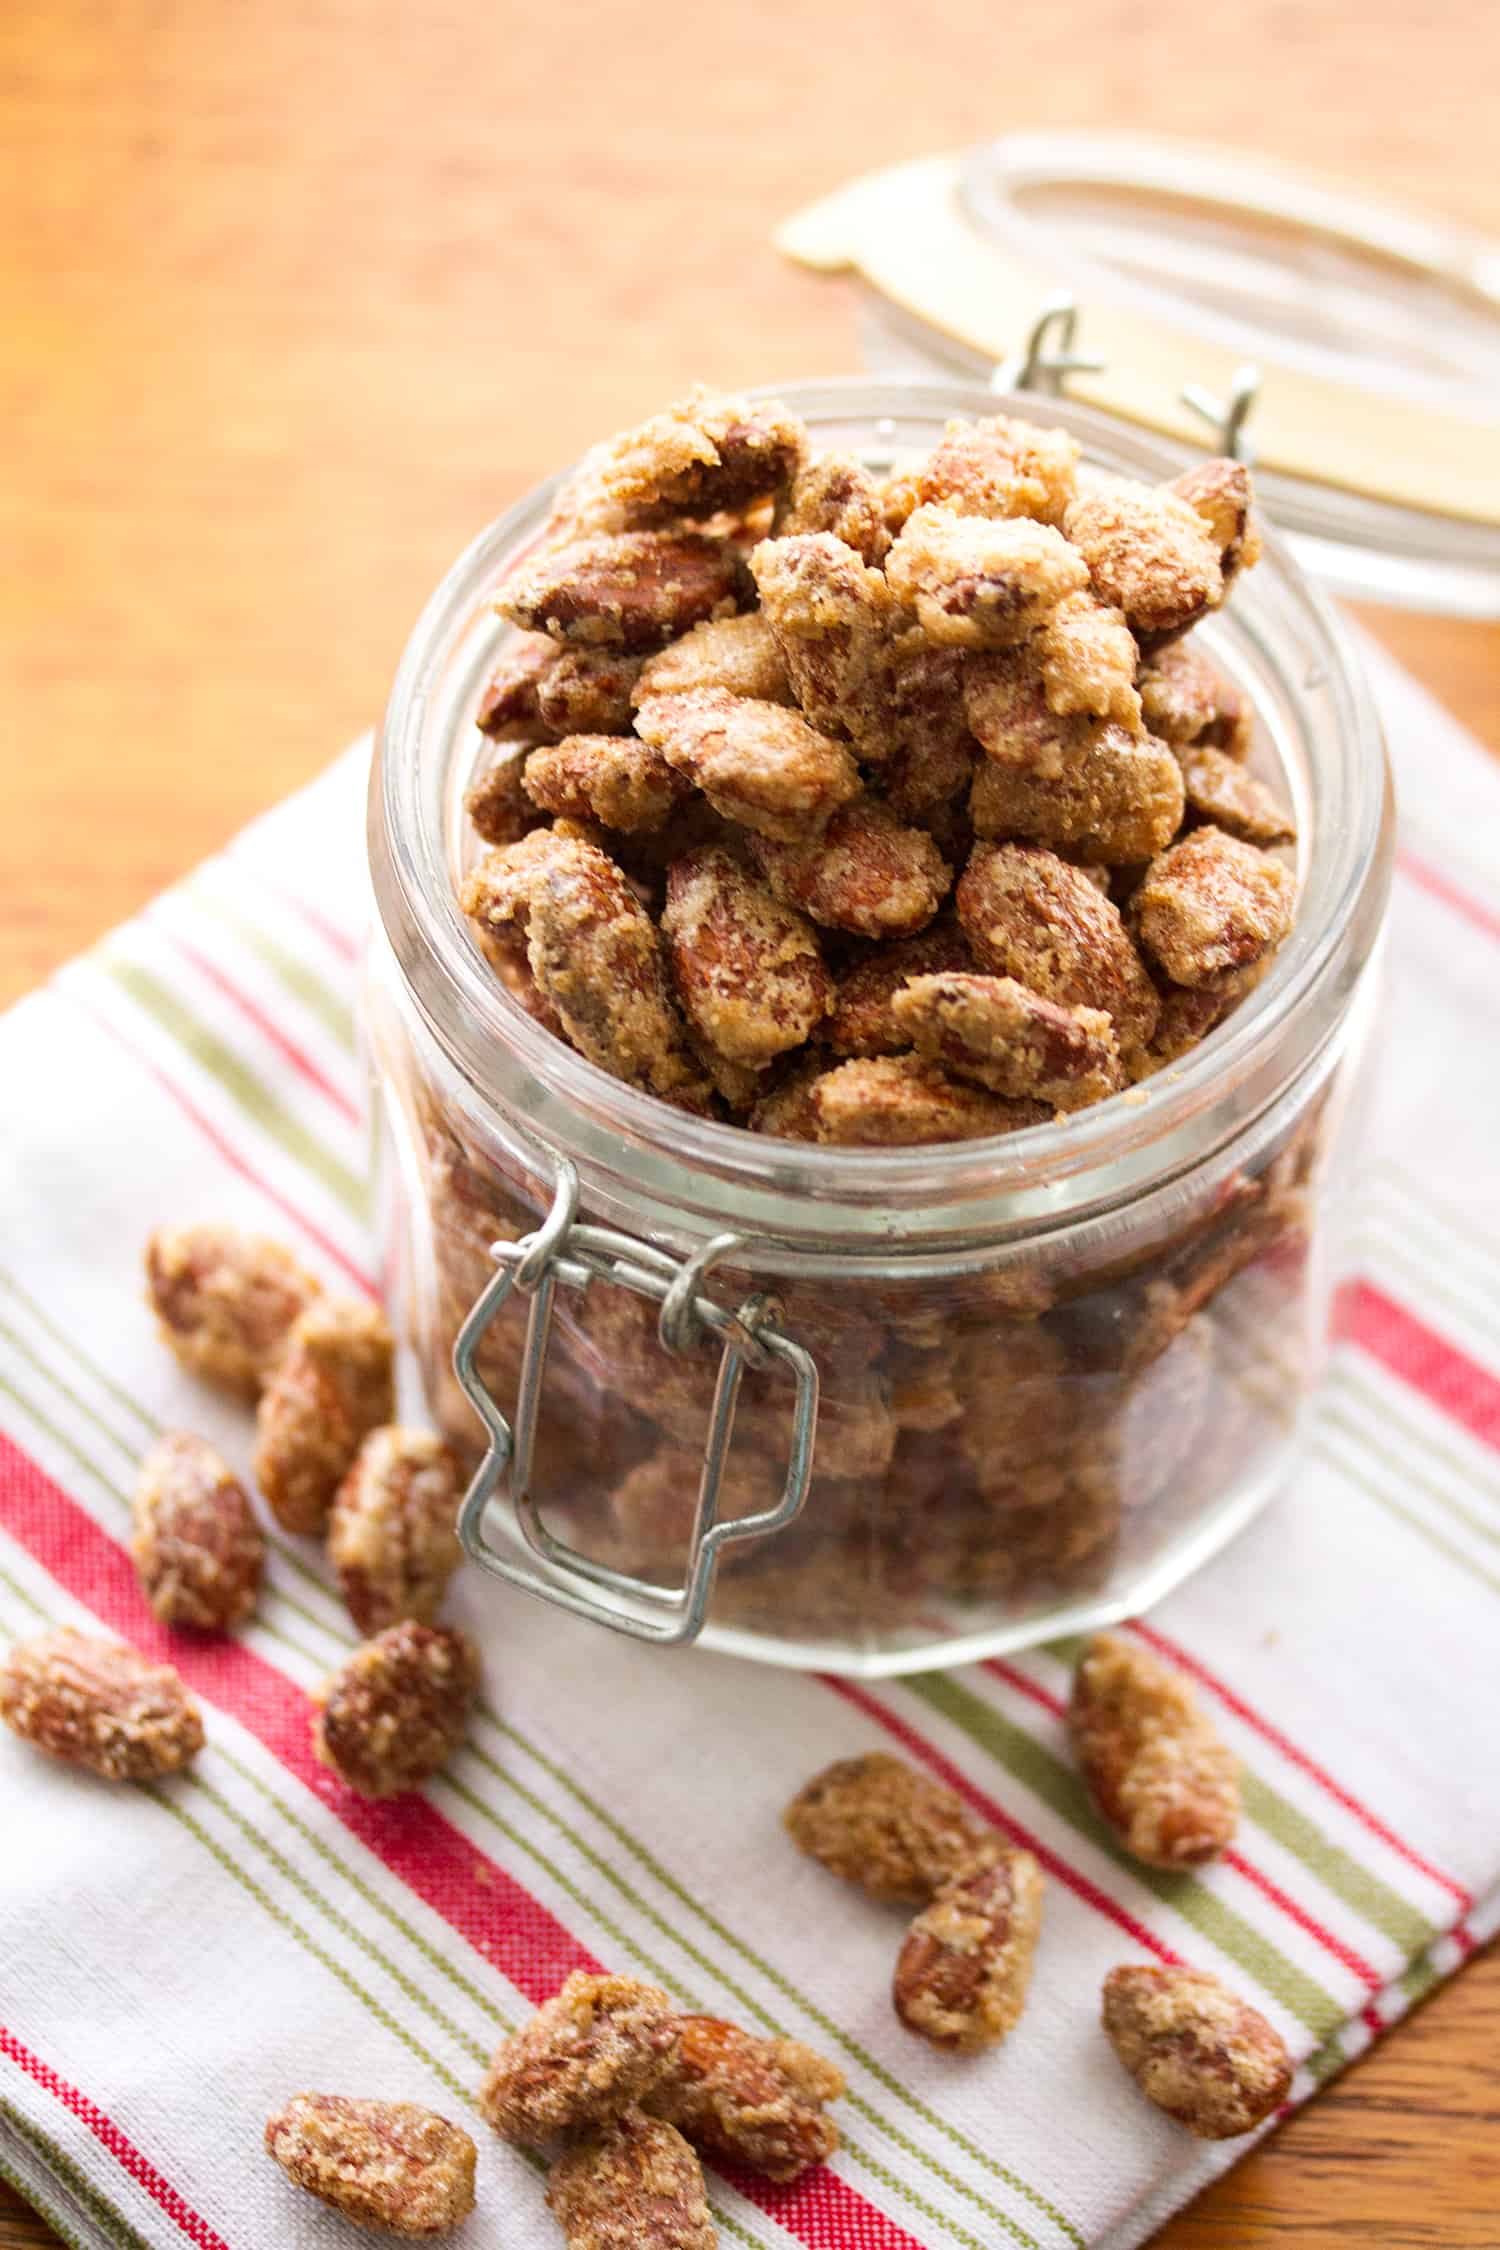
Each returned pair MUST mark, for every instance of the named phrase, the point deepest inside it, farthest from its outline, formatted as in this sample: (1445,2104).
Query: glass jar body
(1013,1442)
(1056,1372)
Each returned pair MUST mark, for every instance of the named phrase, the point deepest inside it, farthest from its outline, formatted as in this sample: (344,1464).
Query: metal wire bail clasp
(1047,357)
(563,1249)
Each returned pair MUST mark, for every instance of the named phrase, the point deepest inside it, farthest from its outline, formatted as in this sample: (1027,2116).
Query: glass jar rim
(690,1170)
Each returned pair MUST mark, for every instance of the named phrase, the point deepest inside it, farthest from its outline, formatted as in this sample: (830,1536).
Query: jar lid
(1349,348)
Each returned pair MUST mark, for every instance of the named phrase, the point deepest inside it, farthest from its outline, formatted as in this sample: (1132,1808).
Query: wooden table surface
(294,296)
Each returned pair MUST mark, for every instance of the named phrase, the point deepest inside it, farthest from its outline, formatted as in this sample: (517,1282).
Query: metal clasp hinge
(564,1249)
(1047,357)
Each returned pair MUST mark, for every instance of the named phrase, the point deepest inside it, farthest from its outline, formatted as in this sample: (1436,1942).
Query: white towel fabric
(178,1959)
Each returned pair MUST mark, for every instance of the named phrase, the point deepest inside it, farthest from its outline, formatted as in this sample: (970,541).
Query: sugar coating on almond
(1195,2049)
(1154,1766)
(96,1703)
(885,1825)
(391,2166)
(600,2043)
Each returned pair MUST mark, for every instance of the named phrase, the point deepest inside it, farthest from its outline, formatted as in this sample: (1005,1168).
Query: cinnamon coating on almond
(757,763)
(1224,794)
(835,492)
(865,873)
(707,454)
(861,1019)
(196,1545)
(397,1709)
(587,691)
(905,1101)
(1030,915)
(747,969)
(597,961)
(962,1974)
(226,1301)
(1119,800)
(978,583)
(1195,2049)
(1004,1036)
(1211,907)
(1160,1776)
(599,2044)
(391,1539)
(884,1825)
(631,2183)
(736,655)
(391,2166)
(92,1702)
(631,590)
(997,466)
(612,778)
(831,617)
(753,2101)
(1149,554)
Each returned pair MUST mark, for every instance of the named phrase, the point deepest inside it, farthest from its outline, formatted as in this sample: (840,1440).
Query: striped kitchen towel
(177,1959)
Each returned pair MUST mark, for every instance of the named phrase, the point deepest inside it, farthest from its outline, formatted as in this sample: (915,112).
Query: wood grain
(294,297)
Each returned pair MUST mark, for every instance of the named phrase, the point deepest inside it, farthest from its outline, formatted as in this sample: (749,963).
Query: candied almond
(757,763)
(1006,1037)
(865,873)
(632,2183)
(998,466)
(334,1384)
(396,1709)
(860,1020)
(1221,791)
(930,750)
(885,1825)
(587,691)
(630,590)
(613,778)
(600,2043)
(1211,906)
(391,1539)
(1195,2049)
(509,700)
(1088,661)
(980,583)
(1120,800)
(225,1301)
(903,1101)
(785,1109)
(962,1973)
(705,455)
(836,492)
(95,1703)
(1031,915)
(393,2166)
(748,970)
(1166,1784)
(655,1504)
(831,617)
(496,802)
(1184,699)
(196,1546)
(497,891)
(736,654)
(1006,706)
(1149,555)
(755,2101)
(598,963)
(1220,492)
(1188,1015)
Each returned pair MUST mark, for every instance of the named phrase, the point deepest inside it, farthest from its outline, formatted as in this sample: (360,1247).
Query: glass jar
(1042,1377)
